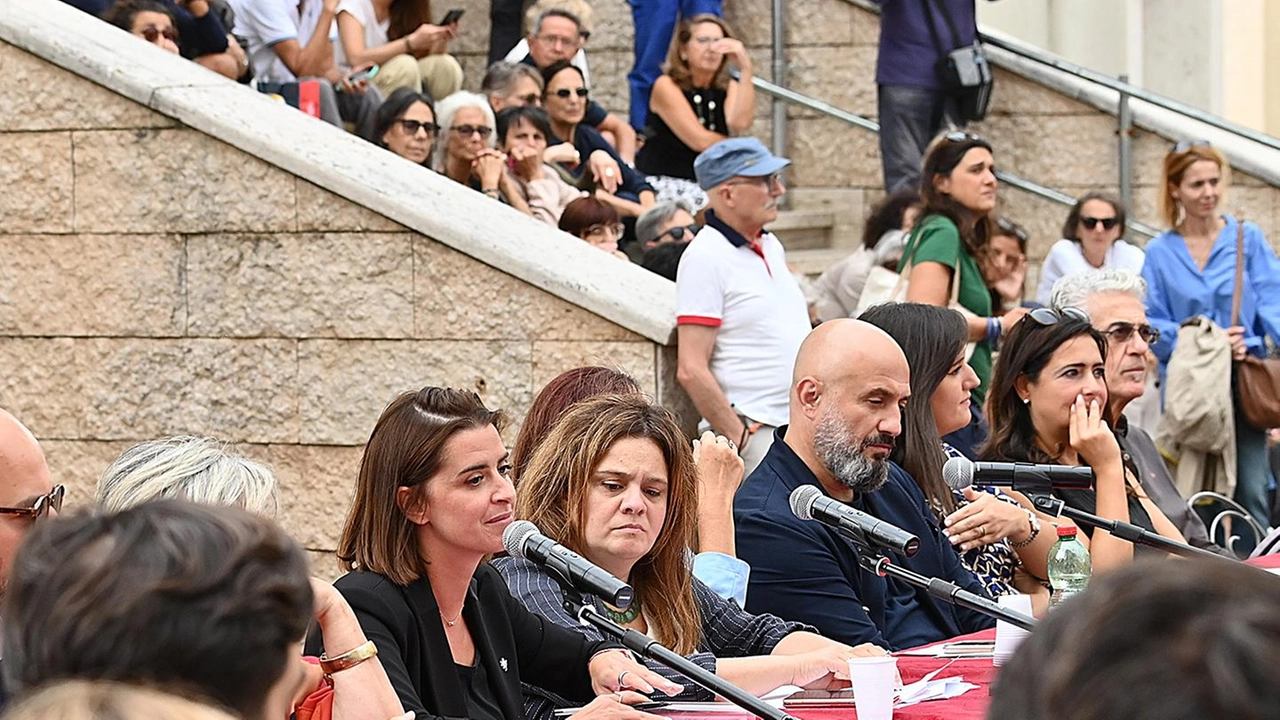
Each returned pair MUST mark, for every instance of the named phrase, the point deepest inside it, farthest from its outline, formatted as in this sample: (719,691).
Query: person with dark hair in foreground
(432,500)
(1186,640)
(178,595)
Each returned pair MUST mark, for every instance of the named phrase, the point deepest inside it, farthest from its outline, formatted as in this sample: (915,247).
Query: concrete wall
(157,280)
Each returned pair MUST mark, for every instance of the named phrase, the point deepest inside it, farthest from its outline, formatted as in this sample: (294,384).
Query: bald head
(849,384)
(24,477)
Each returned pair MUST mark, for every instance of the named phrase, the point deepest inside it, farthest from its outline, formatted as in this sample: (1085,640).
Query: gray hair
(502,76)
(446,109)
(542,10)
(199,469)
(657,216)
(1075,289)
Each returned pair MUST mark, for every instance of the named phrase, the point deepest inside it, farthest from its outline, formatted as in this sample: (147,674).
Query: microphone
(808,503)
(960,473)
(522,539)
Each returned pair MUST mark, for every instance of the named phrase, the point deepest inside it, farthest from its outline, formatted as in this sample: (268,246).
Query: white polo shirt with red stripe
(743,288)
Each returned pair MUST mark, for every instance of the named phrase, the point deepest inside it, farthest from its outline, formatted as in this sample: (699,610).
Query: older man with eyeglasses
(1114,300)
(27,494)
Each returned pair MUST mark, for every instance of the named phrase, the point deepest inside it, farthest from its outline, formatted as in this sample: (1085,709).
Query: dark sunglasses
(530,99)
(679,232)
(1092,222)
(151,33)
(469,130)
(1049,316)
(564,93)
(411,127)
(1122,332)
(1185,145)
(42,505)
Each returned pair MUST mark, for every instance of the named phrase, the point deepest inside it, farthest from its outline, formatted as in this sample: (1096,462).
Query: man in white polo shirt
(741,316)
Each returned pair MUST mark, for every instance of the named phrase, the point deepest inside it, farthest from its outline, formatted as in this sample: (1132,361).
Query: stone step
(813,261)
(804,229)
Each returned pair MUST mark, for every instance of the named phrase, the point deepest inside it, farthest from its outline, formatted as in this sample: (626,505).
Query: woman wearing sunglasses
(1008,550)
(1190,270)
(1049,404)
(694,105)
(467,152)
(1091,241)
(406,125)
(565,98)
(958,193)
(616,482)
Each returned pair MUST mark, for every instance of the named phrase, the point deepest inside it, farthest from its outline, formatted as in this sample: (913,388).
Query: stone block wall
(155,281)
(1039,133)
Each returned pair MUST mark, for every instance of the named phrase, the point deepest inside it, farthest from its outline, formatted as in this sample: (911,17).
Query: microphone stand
(873,560)
(1125,531)
(642,644)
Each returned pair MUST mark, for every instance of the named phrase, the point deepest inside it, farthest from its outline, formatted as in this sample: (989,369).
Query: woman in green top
(958,190)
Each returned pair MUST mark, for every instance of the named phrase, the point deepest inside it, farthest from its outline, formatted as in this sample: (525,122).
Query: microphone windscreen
(802,500)
(514,537)
(957,473)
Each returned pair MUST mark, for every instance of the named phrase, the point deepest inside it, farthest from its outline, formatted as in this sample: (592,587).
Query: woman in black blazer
(433,497)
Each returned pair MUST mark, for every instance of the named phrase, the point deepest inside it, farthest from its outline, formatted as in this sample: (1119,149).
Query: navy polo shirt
(804,571)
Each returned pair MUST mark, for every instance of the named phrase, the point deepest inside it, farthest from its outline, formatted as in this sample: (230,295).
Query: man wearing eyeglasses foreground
(26,494)
(740,314)
(1114,298)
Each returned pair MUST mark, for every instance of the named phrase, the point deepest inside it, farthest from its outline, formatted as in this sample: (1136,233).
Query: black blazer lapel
(445,687)
(496,650)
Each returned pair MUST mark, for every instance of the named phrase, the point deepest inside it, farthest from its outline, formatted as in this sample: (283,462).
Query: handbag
(886,286)
(1257,380)
(965,71)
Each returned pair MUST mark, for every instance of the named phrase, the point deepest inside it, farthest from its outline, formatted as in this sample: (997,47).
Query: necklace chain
(447,621)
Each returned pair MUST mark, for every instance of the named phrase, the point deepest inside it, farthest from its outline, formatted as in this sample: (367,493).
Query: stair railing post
(779,138)
(1124,116)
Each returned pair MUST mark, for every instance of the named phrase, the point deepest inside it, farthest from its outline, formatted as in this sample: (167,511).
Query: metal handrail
(1119,86)
(856,120)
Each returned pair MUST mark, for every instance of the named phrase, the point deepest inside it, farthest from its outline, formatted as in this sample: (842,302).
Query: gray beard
(844,457)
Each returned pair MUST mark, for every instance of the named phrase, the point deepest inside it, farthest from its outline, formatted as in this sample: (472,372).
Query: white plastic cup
(874,680)
(1008,636)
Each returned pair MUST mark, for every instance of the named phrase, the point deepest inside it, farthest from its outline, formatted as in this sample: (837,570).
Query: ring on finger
(982,530)
(622,675)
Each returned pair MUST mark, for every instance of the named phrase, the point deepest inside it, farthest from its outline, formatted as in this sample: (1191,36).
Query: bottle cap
(1066,531)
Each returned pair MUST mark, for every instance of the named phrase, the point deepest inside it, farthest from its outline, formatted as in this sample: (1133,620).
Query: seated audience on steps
(615,482)
(595,221)
(406,125)
(1092,239)
(554,36)
(203,600)
(581,10)
(1004,265)
(523,133)
(719,471)
(467,154)
(565,98)
(289,43)
(197,30)
(838,289)
(694,105)
(400,38)
(665,222)
(508,84)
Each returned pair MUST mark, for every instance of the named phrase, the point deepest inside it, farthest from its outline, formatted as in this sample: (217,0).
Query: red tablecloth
(1271,562)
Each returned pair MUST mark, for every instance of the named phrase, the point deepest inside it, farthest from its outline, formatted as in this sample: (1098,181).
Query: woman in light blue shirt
(1190,270)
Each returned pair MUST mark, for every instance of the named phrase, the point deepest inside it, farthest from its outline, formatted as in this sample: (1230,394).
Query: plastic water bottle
(1069,565)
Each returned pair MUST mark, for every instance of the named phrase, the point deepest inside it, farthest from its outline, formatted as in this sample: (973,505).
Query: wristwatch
(1035,530)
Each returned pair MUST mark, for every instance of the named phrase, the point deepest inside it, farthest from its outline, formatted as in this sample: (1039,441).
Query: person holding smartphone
(400,37)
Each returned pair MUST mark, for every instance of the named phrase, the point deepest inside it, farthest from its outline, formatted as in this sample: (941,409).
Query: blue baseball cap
(744,157)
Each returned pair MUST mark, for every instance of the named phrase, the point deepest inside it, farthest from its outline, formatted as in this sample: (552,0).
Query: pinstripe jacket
(727,630)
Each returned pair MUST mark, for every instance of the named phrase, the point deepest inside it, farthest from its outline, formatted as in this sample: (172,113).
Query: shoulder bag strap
(1235,297)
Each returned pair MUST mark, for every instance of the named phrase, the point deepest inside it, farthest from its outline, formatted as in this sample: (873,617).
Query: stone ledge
(343,164)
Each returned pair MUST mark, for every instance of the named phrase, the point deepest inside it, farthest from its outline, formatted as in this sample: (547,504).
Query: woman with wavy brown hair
(616,482)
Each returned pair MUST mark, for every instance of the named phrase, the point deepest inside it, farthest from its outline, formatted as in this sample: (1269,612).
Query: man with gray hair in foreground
(199,469)
(1114,300)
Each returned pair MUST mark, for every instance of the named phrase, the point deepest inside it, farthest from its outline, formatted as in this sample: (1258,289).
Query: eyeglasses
(1092,222)
(469,130)
(707,39)
(411,127)
(554,40)
(1122,332)
(1049,316)
(530,99)
(42,505)
(564,93)
(616,229)
(770,181)
(678,232)
(151,34)
(1185,145)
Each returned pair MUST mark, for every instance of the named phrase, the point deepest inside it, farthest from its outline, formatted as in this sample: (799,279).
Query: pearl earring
(1026,401)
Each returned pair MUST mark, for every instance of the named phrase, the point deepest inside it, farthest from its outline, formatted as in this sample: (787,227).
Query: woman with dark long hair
(405,124)
(615,481)
(1048,404)
(433,497)
(933,340)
